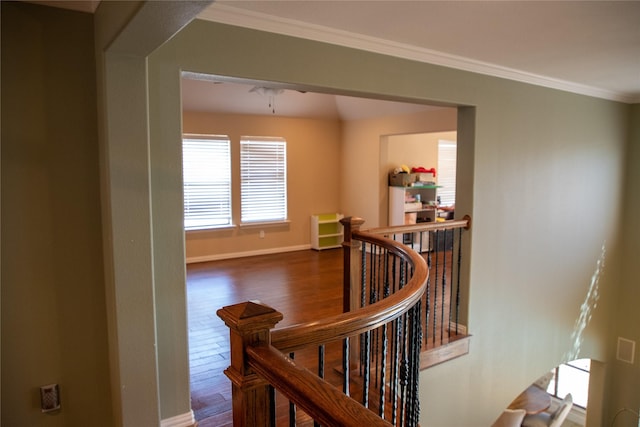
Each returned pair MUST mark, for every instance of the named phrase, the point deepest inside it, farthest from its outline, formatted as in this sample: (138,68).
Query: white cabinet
(411,205)
(326,231)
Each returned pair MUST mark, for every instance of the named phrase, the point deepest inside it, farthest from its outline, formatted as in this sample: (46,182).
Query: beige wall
(413,150)
(314,160)
(313,180)
(54,327)
(364,163)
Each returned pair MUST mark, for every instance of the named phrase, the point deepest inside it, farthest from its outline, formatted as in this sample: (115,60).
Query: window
(206,166)
(263,179)
(571,377)
(447,172)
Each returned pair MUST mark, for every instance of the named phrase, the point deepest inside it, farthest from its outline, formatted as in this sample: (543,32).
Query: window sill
(211,229)
(264,224)
(577,414)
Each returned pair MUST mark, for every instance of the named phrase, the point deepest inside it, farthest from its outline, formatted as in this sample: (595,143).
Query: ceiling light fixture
(269,92)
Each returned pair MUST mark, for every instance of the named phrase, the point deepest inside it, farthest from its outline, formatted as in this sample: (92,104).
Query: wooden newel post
(249,324)
(351,267)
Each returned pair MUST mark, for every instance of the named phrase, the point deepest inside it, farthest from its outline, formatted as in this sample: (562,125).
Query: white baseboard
(217,257)
(183,420)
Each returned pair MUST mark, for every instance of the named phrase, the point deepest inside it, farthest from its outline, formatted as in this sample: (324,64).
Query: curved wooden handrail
(363,319)
(319,399)
(423,226)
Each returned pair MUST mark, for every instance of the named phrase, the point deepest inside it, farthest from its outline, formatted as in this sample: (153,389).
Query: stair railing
(377,388)
(445,301)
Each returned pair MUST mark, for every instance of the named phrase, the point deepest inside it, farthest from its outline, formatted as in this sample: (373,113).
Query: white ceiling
(588,47)
(199,93)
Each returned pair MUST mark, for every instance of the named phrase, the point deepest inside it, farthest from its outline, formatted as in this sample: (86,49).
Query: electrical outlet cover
(50,397)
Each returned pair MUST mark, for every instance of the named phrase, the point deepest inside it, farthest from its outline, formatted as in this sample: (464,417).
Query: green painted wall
(624,378)
(546,169)
(545,173)
(53,303)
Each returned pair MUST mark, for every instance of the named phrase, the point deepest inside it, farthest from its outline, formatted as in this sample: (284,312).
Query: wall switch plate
(626,350)
(50,397)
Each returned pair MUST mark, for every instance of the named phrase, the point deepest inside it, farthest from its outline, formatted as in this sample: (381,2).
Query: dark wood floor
(302,285)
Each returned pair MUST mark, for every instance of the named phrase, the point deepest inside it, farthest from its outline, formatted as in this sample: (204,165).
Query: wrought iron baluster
(321,352)
(386,291)
(396,370)
(410,379)
(428,292)
(363,297)
(372,278)
(404,372)
(345,367)
(272,406)
(415,345)
(444,284)
(383,373)
(458,281)
(394,346)
(375,292)
(435,288)
(320,371)
(292,406)
(367,369)
(363,278)
(451,286)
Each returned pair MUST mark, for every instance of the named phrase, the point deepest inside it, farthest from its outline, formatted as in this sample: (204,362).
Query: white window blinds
(206,166)
(447,172)
(263,179)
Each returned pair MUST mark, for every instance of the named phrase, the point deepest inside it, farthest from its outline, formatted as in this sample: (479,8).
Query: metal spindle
(458,281)
(444,283)
(428,292)
(363,296)
(404,371)
(367,369)
(451,282)
(292,406)
(395,383)
(345,367)
(435,288)
(321,361)
(416,341)
(383,373)
(272,406)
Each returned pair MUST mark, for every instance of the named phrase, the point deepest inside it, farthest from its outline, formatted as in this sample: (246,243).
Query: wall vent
(626,350)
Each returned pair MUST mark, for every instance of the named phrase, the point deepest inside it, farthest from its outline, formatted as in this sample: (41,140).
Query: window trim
(556,375)
(450,170)
(229,182)
(279,144)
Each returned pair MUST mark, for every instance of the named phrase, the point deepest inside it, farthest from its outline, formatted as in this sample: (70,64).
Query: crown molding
(264,22)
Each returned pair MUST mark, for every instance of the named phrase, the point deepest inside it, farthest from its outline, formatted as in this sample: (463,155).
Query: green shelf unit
(326,231)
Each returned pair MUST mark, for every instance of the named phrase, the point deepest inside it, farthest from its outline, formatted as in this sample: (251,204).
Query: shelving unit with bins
(405,207)
(326,231)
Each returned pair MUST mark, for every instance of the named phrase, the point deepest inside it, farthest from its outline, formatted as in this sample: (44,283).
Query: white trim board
(182,420)
(264,22)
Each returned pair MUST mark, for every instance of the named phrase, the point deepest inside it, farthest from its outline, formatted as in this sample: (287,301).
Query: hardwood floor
(302,285)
